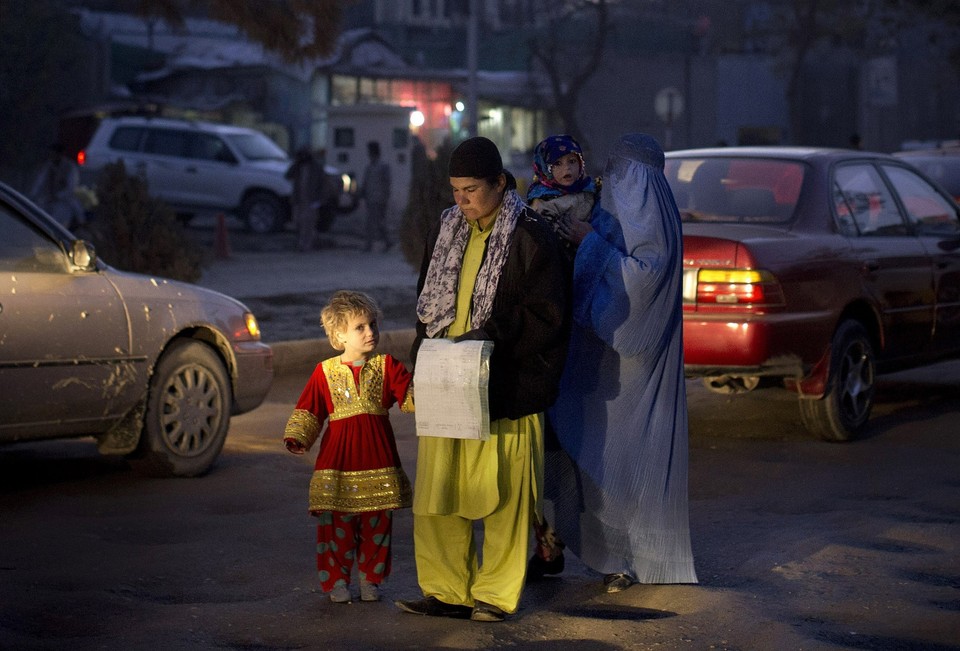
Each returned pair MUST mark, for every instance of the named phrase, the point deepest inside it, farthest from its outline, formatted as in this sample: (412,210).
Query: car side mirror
(83,255)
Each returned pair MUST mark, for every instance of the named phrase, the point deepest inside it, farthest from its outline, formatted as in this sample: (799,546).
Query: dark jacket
(529,323)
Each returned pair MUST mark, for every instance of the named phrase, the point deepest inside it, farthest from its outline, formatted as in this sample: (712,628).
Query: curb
(301,356)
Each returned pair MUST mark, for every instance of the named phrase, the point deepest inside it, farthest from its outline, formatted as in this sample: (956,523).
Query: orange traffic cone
(221,244)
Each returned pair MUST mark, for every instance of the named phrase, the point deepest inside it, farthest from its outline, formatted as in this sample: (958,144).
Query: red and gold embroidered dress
(358,467)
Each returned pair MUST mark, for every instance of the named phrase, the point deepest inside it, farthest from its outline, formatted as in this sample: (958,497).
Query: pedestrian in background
(55,187)
(619,483)
(375,192)
(309,181)
(357,479)
(492,270)
(328,202)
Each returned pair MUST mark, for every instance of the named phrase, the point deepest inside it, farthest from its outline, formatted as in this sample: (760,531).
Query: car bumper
(772,345)
(254,375)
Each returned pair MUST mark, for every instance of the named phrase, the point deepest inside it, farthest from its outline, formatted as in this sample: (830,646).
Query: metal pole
(472,23)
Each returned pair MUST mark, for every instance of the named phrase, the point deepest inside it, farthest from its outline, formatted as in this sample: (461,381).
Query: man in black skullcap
(493,270)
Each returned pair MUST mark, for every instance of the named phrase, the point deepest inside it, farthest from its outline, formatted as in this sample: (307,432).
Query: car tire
(262,212)
(188,413)
(842,413)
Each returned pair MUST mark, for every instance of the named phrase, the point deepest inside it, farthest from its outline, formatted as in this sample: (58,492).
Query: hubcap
(856,376)
(261,217)
(191,411)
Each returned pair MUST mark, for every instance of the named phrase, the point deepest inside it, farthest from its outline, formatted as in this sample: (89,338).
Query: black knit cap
(476,158)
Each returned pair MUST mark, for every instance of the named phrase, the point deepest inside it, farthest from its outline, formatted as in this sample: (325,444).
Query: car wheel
(842,413)
(262,212)
(188,413)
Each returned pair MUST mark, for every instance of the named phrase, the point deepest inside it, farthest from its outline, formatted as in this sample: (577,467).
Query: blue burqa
(619,484)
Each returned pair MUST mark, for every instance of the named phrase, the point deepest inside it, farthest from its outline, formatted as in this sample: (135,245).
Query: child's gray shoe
(369,591)
(340,594)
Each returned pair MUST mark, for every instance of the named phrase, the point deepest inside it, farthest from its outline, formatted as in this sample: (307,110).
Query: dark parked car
(819,268)
(942,165)
(151,367)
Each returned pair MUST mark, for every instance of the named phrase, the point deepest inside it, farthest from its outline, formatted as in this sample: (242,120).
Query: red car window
(735,189)
(784,179)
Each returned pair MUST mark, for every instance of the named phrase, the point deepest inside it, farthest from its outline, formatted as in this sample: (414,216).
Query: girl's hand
(296,447)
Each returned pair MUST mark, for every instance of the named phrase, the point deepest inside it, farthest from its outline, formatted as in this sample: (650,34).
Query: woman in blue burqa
(619,484)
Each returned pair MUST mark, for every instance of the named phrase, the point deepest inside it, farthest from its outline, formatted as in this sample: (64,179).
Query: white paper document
(450,389)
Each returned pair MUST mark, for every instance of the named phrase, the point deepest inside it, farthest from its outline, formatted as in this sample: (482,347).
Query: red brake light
(735,288)
(81,157)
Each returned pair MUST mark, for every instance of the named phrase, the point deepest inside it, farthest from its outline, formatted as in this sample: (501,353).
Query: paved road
(799,545)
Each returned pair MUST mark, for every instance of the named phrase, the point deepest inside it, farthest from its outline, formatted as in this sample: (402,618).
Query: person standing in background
(55,188)
(375,192)
(308,177)
(328,202)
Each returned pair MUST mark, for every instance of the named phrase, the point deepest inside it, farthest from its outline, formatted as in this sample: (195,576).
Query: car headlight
(253,328)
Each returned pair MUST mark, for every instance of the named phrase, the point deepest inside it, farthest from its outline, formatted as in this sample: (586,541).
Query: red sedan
(817,267)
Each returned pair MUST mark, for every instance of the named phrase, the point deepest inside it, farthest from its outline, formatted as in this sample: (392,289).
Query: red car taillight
(732,287)
(81,157)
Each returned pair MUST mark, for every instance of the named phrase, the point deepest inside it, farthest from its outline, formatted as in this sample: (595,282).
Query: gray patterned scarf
(437,304)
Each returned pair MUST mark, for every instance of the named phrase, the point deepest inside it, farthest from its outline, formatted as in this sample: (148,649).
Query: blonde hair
(343,305)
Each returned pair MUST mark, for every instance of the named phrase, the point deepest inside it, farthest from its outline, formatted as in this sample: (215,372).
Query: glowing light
(416,118)
(460,106)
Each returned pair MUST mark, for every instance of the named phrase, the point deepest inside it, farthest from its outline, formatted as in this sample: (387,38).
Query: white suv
(197,166)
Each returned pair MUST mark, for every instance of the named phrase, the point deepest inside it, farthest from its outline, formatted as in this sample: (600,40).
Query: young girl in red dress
(357,480)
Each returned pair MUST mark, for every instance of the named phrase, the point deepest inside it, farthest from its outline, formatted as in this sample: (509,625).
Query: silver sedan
(153,368)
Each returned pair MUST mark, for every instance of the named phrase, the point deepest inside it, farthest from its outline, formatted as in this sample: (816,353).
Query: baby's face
(566,169)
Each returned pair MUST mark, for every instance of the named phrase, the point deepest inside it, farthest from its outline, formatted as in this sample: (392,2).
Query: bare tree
(296,29)
(43,72)
(567,63)
(795,28)
(940,19)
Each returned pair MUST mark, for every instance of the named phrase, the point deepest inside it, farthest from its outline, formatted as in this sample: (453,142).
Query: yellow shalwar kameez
(461,480)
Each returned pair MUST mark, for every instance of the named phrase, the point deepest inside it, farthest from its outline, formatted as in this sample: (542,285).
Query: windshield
(256,146)
(735,190)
